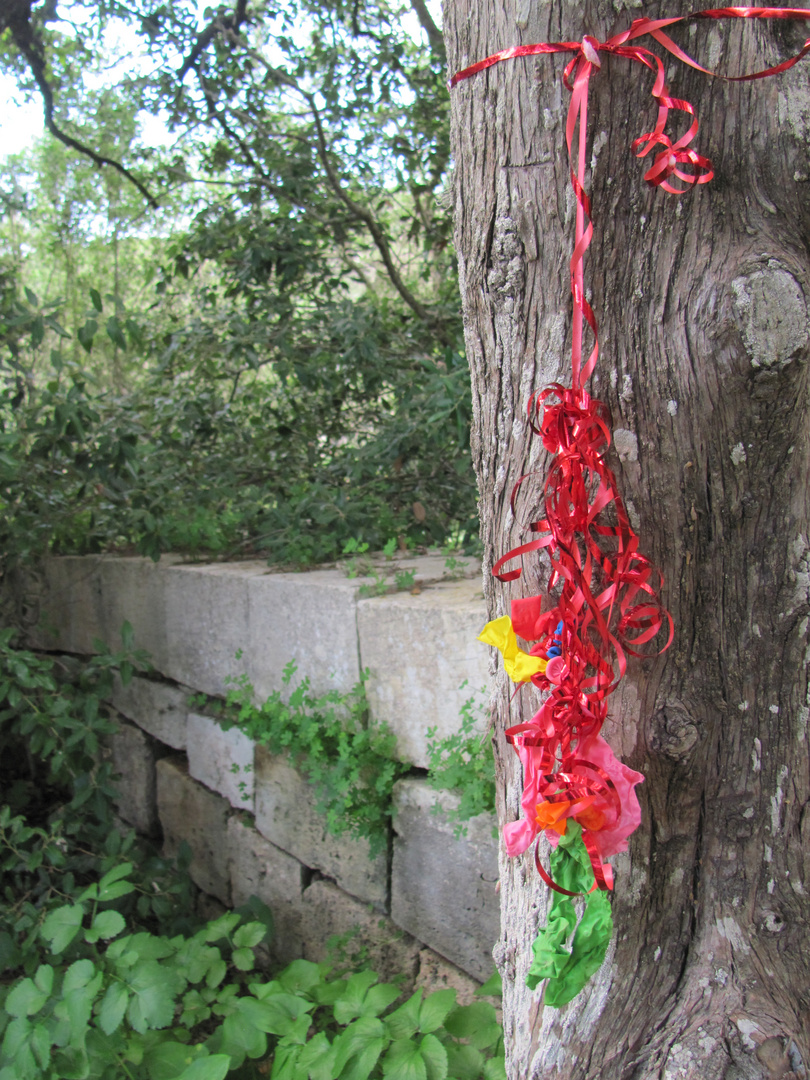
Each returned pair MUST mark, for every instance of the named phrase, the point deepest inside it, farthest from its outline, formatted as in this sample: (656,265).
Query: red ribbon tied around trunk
(609,603)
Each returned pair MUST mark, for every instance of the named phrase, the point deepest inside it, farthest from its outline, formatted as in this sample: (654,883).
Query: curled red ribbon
(609,602)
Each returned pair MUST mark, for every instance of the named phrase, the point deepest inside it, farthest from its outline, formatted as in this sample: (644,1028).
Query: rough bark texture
(702,305)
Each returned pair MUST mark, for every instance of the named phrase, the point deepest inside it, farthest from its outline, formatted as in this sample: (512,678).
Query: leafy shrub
(288,456)
(58,827)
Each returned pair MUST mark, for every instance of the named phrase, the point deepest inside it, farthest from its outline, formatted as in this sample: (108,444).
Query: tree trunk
(701,302)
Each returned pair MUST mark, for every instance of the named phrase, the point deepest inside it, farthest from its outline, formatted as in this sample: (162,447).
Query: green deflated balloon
(568,967)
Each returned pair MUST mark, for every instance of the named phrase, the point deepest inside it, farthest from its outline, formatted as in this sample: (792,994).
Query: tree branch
(435,36)
(357,211)
(206,36)
(17,19)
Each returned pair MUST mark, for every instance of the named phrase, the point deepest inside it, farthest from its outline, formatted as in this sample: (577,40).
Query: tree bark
(702,306)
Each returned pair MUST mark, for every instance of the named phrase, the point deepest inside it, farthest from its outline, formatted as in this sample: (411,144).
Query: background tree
(297,377)
(702,309)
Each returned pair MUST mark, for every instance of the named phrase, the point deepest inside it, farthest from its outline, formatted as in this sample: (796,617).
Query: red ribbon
(668,162)
(610,603)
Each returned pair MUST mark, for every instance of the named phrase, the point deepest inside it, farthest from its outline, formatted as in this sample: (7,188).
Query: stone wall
(428,908)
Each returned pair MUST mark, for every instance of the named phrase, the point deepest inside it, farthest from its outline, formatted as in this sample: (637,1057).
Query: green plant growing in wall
(462,762)
(331,740)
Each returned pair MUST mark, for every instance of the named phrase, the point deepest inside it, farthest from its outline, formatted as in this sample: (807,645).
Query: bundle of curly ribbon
(608,602)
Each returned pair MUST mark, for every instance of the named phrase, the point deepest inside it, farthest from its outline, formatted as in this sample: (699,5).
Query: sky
(21,121)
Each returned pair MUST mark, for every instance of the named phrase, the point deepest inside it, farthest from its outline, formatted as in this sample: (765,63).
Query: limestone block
(61,603)
(286,816)
(426,569)
(81,598)
(443,888)
(259,868)
(436,973)
(420,650)
(207,623)
(133,756)
(310,618)
(188,811)
(222,760)
(157,708)
(133,591)
(385,948)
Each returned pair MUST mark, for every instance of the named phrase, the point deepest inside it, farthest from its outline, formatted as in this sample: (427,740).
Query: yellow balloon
(519,665)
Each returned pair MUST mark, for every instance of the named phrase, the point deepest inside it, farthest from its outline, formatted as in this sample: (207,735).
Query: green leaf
(435,1008)
(493,987)
(222,926)
(17,1034)
(404,1061)
(434,1056)
(379,998)
(285,1064)
(95,298)
(111,886)
(464,1062)
(249,935)
(404,1021)
(300,976)
(240,1037)
(62,925)
(362,1033)
(350,1002)
(25,999)
(243,959)
(277,1015)
(215,1067)
(113,1007)
(495,1069)
(216,973)
(318,1057)
(86,333)
(44,978)
(360,1067)
(115,332)
(477,1022)
(77,975)
(168,1059)
(105,925)
(41,1045)
(154,988)
(37,332)
(71,1063)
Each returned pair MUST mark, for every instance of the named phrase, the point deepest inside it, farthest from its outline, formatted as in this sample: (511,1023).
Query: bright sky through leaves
(21,120)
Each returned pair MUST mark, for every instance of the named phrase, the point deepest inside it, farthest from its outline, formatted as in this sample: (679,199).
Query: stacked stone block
(427,907)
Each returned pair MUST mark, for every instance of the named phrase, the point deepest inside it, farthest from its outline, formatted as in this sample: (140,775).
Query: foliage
(348,760)
(98,1001)
(277,372)
(292,467)
(351,762)
(57,825)
(462,762)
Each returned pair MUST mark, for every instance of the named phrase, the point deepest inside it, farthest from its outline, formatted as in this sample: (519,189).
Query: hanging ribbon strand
(608,602)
